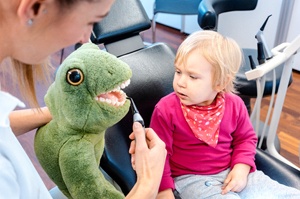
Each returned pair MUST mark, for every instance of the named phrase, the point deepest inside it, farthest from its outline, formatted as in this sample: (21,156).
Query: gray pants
(258,186)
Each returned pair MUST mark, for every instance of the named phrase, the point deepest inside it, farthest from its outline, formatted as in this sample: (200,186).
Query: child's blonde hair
(223,53)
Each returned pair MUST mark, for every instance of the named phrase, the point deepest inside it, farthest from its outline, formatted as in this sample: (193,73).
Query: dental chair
(153,71)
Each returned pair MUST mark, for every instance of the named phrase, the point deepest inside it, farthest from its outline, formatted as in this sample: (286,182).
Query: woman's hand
(237,178)
(148,160)
(166,194)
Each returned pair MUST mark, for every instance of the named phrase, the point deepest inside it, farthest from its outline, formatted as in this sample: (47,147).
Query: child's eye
(178,72)
(193,77)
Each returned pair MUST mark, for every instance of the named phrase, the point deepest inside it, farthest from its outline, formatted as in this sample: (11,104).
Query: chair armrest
(209,10)
(277,170)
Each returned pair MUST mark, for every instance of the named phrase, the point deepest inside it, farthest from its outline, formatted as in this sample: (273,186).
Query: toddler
(209,138)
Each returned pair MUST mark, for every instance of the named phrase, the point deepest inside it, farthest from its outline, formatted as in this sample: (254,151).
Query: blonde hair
(27,76)
(223,53)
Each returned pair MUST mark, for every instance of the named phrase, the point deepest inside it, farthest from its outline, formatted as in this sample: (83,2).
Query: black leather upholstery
(130,23)
(153,71)
(122,36)
(277,170)
(209,10)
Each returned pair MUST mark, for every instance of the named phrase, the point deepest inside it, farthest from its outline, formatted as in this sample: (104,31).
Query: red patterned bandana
(205,120)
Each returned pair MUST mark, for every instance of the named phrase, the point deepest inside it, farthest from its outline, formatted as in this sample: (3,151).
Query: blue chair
(178,7)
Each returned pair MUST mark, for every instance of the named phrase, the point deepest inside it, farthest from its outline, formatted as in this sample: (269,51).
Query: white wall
(243,25)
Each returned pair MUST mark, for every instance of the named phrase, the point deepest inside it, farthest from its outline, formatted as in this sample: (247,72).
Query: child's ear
(28,10)
(221,86)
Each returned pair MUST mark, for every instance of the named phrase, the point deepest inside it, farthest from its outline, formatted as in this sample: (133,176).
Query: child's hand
(236,180)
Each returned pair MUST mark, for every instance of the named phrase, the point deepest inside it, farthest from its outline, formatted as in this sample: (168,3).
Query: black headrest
(209,10)
(125,19)
(152,79)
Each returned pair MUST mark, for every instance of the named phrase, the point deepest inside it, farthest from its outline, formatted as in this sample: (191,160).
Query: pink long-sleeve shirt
(189,155)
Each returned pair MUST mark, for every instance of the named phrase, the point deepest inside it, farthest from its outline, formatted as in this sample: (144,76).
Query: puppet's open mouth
(116,96)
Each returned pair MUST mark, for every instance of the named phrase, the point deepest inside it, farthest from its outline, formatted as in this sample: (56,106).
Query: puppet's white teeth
(118,88)
(108,101)
(127,82)
(114,101)
(120,103)
(101,99)
(124,84)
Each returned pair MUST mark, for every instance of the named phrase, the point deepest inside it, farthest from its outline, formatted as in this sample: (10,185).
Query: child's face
(193,82)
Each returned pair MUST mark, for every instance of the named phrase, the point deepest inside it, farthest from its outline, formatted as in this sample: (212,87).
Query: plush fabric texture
(69,147)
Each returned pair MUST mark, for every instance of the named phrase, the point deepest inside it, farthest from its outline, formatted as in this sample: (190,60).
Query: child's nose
(181,81)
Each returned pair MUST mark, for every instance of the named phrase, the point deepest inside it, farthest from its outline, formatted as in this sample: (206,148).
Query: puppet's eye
(74,77)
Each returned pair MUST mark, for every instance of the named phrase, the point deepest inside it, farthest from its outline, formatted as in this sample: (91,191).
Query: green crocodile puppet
(85,99)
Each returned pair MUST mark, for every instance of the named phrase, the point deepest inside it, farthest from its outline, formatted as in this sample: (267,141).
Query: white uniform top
(18,177)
